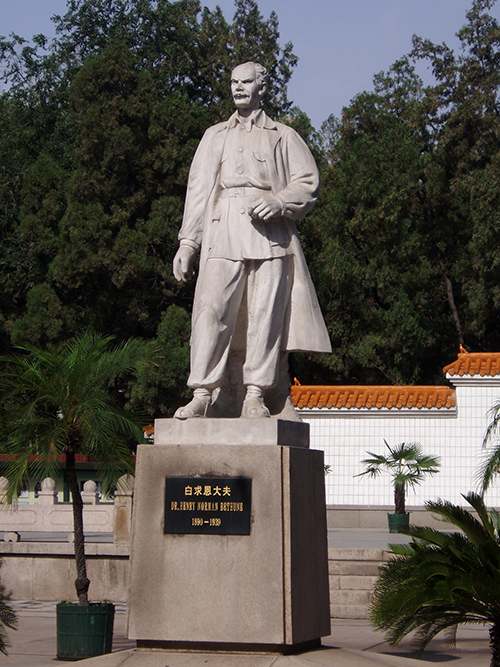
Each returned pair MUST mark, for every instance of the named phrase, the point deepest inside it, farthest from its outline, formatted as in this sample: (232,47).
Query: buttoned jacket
(294,182)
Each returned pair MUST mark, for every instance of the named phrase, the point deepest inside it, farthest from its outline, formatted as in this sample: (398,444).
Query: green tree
(18,152)
(364,239)
(103,123)
(406,464)
(442,580)
(100,239)
(402,242)
(184,48)
(58,403)
(161,386)
(461,188)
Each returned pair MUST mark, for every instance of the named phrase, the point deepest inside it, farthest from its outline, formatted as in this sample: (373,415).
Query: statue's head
(248,85)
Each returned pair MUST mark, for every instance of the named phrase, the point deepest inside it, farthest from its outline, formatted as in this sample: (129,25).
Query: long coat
(295,182)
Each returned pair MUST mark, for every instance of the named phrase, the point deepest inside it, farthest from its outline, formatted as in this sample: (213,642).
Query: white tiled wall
(455,436)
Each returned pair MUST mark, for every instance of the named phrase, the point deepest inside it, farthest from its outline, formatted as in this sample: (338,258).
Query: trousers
(254,290)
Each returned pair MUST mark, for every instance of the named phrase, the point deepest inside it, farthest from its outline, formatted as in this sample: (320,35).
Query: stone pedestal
(262,591)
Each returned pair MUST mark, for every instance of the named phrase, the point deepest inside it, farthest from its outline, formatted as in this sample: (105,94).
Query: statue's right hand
(183,263)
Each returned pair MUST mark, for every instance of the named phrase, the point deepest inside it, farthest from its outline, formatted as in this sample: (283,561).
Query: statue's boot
(197,407)
(253,405)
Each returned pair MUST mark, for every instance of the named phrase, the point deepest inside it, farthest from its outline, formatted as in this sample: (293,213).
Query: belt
(246,191)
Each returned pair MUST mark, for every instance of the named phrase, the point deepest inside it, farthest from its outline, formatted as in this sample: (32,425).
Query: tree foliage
(99,127)
(98,130)
(406,464)
(56,404)
(402,244)
(442,580)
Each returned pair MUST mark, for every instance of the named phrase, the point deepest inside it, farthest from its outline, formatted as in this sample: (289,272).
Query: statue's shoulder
(285,130)
(215,129)
(281,127)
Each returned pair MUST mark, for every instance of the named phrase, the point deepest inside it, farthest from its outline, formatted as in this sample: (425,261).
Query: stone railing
(50,515)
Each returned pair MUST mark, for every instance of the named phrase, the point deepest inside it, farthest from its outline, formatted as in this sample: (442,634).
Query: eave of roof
(484,364)
(373,397)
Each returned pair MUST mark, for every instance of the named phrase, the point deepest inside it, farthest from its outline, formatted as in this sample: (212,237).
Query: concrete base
(270,432)
(266,591)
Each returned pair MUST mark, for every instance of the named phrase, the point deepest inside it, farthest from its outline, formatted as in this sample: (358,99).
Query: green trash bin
(84,632)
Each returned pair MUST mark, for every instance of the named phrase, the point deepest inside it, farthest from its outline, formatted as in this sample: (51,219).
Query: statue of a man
(250,179)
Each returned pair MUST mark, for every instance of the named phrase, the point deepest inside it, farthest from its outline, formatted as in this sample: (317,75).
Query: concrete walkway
(352,643)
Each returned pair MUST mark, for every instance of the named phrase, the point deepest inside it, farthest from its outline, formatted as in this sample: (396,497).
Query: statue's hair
(260,72)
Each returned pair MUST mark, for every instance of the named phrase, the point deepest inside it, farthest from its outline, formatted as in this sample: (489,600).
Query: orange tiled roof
(475,363)
(380,396)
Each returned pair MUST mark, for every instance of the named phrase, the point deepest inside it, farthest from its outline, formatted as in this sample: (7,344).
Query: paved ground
(347,538)
(33,644)
(351,644)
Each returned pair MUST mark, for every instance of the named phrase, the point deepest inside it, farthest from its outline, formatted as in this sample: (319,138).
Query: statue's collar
(257,118)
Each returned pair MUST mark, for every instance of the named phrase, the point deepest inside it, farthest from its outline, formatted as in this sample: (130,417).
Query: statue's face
(247,91)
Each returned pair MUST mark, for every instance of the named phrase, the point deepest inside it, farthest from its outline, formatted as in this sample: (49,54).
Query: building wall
(455,435)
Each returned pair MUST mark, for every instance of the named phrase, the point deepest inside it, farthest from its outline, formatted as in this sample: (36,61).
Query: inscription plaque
(208,505)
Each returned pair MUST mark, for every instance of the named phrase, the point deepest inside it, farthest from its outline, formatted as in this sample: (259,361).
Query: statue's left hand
(265,208)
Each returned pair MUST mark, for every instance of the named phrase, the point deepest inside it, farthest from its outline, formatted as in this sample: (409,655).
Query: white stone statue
(250,179)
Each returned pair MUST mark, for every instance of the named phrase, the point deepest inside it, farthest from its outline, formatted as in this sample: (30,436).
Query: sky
(340,44)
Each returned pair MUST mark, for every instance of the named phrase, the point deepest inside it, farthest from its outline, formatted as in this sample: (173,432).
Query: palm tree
(491,464)
(441,580)
(55,404)
(408,466)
